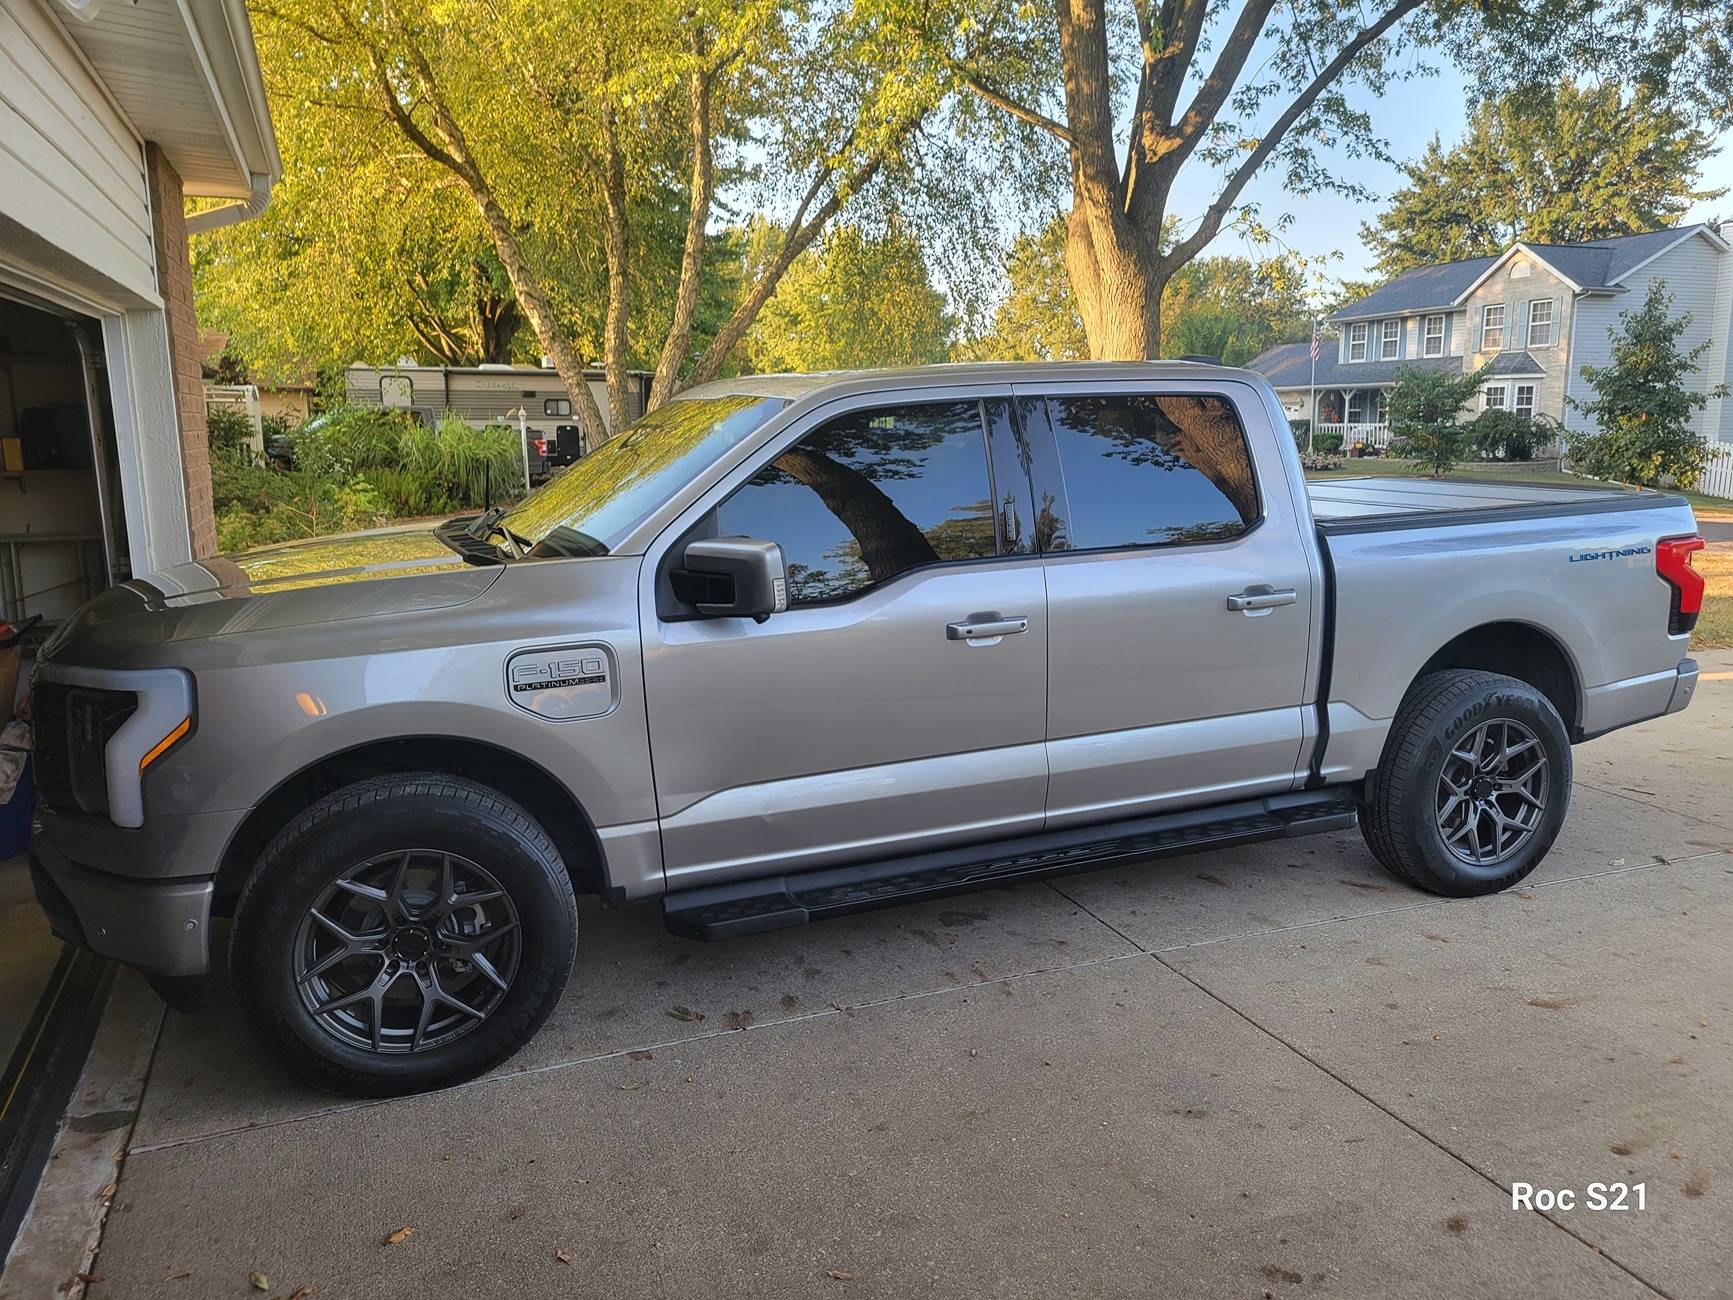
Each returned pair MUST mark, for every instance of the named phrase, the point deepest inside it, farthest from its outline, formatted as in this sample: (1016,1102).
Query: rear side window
(869,496)
(1152,470)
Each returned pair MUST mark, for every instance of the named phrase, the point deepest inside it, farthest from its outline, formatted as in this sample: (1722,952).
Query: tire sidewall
(315,849)
(1518,702)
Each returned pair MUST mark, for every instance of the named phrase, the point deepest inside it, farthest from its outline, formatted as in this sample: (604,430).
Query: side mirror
(736,577)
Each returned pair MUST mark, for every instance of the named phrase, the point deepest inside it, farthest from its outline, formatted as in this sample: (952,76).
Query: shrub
(1507,435)
(1425,411)
(227,431)
(1327,443)
(1302,430)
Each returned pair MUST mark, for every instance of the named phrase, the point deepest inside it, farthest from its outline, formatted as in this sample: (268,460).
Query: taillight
(1673,564)
(541,446)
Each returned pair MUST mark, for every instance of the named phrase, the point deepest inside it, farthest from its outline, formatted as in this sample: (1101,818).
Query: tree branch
(1217,212)
(1022,112)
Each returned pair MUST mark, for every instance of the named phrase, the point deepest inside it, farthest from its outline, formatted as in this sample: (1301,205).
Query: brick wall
(175,283)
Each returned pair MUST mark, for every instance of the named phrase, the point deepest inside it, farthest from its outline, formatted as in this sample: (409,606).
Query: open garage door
(62,526)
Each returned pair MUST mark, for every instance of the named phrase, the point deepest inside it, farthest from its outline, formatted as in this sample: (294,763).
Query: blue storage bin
(15,813)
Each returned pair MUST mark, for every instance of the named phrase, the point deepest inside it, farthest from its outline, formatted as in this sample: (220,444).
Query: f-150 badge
(562,683)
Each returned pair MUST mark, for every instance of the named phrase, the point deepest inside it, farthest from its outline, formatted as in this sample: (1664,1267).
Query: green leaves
(1643,405)
(1426,407)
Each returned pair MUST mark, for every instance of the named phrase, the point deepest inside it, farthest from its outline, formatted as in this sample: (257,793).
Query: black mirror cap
(754,568)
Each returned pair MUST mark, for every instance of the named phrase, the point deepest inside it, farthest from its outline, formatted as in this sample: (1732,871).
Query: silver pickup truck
(797,646)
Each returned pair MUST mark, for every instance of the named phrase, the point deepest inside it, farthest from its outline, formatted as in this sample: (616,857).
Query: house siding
(1516,290)
(72,175)
(1697,276)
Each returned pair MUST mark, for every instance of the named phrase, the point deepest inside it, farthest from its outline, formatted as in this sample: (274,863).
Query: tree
(1551,166)
(527,110)
(1642,406)
(853,301)
(1037,318)
(1426,409)
(1227,307)
(1126,100)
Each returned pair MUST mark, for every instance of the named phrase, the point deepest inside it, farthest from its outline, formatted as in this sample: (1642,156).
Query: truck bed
(1366,504)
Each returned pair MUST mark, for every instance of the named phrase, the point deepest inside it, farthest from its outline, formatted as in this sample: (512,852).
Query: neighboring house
(111,112)
(1534,316)
(488,394)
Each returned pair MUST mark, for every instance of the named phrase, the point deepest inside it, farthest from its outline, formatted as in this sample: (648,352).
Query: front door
(1179,599)
(900,702)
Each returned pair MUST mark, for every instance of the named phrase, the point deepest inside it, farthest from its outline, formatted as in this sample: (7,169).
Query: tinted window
(1152,469)
(869,496)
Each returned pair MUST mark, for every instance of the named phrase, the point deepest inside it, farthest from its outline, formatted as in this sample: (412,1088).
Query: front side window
(1492,398)
(1524,403)
(556,406)
(1153,470)
(1432,343)
(1391,342)
(1357,342)
(1540,323)
(869,496)
(1492,328)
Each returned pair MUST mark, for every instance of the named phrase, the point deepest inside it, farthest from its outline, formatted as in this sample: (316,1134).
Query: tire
(353,972)
(1458,827)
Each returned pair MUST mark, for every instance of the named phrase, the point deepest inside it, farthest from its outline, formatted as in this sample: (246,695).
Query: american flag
(1316,340)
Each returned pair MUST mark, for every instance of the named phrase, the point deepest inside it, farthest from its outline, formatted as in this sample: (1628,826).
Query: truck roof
(794,387)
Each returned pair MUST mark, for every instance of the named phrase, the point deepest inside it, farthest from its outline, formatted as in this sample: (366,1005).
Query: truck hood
(371,574)
(408,550)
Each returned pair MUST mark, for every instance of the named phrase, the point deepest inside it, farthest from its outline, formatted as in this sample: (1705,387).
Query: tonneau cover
(1369,497)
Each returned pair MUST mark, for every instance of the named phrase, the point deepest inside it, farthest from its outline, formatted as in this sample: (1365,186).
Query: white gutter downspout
(230,213)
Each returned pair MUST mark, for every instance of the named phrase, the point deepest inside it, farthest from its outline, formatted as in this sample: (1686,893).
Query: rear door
(900,702)
(1179,597)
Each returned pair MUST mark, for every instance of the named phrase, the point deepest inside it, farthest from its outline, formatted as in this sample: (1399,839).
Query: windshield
(595,503)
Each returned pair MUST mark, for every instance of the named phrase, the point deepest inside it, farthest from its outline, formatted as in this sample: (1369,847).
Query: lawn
(1715,623)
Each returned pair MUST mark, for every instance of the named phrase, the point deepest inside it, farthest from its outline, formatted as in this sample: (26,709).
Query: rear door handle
(1261,598)
(979,629)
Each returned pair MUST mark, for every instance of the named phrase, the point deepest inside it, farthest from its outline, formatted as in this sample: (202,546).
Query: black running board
(743,907)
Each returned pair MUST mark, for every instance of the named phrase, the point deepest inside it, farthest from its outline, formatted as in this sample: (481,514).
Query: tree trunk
(614,229)
(692,256)
(889,543)
(1118,280)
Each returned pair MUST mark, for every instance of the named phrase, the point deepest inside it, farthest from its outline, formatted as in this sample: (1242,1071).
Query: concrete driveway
(1267,1072)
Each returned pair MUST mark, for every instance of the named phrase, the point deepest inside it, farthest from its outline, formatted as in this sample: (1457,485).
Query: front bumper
(156,921)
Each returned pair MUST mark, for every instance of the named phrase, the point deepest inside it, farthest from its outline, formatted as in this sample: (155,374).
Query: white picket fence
(1373,435)
(1718,478)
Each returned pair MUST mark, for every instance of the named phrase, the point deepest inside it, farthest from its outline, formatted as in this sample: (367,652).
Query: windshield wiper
(488,523)
(459,535)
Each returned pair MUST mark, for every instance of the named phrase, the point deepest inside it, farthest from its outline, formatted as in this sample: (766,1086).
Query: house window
(1432,340)
(1492,397)
(1524,403)
(1357,342)
(1391,342)
(1540,323)
(1492,327)
(556,406)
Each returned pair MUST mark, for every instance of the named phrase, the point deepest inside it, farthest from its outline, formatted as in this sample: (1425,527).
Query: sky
(1406,115)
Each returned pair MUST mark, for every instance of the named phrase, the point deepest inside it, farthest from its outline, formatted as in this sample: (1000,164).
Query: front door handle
(1261,598)
(977,629)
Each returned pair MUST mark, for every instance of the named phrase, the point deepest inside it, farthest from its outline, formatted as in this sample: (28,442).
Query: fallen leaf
(110,1188)
(562,1257)
(402,1234)
(641,1056)
(634,1085)
(841,1275)
(300,1293)
(685,1013)
(260,1281)
(179,1277)
(1457,1223)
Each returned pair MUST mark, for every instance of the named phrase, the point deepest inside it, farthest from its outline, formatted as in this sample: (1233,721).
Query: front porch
(1359,415)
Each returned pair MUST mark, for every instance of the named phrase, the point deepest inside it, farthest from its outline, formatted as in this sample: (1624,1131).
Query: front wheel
(403,933)
(1473,785)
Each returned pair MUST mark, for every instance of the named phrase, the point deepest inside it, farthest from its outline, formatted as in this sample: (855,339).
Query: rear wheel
(1473,785)
(403,933)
